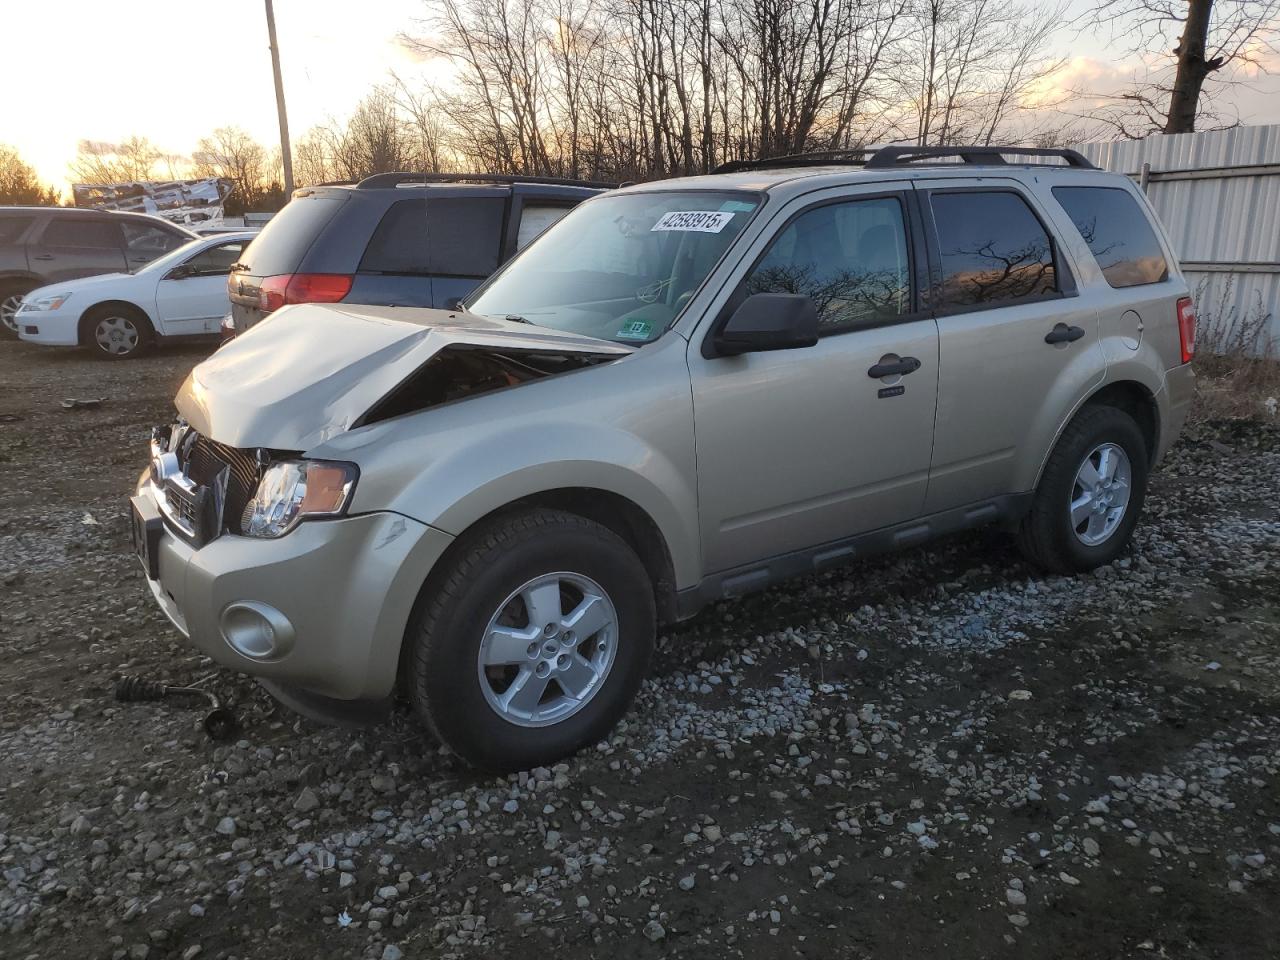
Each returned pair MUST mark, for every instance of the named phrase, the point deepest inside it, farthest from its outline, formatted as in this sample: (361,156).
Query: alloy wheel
(9,311)
(1100,494)
(547,650)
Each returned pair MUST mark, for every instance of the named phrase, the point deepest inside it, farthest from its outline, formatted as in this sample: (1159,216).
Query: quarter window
(1117,232)
(993,249)
(399,245)
(75,232)
(849,258)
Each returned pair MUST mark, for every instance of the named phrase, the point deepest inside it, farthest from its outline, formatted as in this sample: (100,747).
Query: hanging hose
(219,723)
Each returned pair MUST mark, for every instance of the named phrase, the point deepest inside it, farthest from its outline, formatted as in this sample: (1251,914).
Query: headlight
(293,490)
(45,303)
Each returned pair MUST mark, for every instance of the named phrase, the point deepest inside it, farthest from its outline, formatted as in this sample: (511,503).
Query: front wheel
(116,332)
(1090,494)
(533,642)
(10,301)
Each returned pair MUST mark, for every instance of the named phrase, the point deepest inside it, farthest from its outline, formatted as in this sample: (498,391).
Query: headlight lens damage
(293,490)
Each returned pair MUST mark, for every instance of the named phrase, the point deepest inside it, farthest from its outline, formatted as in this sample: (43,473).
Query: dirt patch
(941,753)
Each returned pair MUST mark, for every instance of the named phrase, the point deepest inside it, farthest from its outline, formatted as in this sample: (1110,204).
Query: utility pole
(286,155)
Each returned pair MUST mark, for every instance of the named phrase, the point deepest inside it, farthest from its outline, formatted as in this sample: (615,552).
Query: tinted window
(286,238)
(850,258)
(216,260)
(536,217)
(463,235)
(992,247)
(1117,232)
(399,245)
(143,239)
(76,232)
(11,228)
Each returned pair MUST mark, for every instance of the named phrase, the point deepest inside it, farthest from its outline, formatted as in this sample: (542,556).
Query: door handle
(900,367)
(1061,333)
(43,256)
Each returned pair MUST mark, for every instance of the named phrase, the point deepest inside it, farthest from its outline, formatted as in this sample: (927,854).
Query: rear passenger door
(71,247)
(1017,344)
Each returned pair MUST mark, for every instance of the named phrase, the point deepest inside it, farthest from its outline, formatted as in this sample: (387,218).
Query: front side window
(217,260)
(621,266)
(849,258)
(535,218)
(993,249)
(1117,232)
(144,240)
(76,232)
(11,228)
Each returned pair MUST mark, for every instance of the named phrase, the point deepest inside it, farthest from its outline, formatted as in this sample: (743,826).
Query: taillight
(275,292)
(1187,328)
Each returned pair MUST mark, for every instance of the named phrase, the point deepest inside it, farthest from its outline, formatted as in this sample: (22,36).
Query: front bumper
(346,586)
(53,328)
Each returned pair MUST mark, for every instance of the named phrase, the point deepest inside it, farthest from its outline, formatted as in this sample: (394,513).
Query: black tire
(8,306)
(441,667)
(1046,535)
(121,313)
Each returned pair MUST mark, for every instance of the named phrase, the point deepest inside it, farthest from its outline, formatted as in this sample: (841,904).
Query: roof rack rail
(795,160)
(380,180)
(901,155)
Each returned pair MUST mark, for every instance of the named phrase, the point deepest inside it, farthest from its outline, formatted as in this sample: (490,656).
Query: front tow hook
(219,723)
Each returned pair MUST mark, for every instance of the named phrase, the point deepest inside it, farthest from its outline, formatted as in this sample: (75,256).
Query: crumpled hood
(309,372)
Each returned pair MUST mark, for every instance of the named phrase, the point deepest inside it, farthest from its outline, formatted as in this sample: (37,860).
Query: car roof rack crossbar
(381,180)
(902,155)
(815,158)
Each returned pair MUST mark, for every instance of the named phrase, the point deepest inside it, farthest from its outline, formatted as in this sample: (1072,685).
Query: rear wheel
(1090,494)
(533,643)
(116,331)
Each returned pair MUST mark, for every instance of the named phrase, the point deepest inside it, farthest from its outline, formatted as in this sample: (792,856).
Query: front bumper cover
(346,585)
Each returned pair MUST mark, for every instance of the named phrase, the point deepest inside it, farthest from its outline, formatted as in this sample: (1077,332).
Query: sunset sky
(172,70)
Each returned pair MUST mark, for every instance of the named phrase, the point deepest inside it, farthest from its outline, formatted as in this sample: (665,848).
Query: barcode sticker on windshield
(697,221)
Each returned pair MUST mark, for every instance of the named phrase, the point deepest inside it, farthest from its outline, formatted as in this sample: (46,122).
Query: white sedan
(183,293)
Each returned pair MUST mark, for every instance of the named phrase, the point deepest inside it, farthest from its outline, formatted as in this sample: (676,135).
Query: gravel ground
(938,754)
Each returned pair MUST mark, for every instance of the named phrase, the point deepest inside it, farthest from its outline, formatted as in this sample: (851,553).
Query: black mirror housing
(180,272)
(769,321)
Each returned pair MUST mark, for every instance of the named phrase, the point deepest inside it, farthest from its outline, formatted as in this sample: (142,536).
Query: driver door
(191,298)
(804,447)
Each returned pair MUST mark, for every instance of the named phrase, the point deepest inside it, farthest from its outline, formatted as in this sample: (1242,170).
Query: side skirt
(762,574)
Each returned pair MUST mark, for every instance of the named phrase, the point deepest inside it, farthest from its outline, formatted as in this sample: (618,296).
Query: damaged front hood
(310,372)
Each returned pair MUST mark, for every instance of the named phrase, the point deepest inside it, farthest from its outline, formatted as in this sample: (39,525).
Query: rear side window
(143,239)
(534,218)
(993,249)
(75,232)
(849,258)
(463,235)
(286,238)
(1117,232)
(399,244)
(11,228)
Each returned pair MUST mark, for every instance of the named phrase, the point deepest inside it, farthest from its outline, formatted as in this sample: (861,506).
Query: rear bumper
(1175,404)
(345,589)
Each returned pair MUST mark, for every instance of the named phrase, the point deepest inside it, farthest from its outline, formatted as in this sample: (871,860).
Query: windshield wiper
(514,318)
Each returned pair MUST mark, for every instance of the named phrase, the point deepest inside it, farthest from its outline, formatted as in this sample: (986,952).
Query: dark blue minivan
(395,239)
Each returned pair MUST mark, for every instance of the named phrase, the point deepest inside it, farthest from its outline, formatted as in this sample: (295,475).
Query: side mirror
(180,272)
(769,321)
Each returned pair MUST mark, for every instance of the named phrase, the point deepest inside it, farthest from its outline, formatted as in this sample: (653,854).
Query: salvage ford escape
(683,391)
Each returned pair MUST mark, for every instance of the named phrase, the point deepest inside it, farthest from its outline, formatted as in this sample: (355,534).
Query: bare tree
(230,152)
(19,183)
(1201,44)
(136,158)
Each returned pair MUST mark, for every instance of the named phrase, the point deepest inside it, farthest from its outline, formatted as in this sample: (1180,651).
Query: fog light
(257,630)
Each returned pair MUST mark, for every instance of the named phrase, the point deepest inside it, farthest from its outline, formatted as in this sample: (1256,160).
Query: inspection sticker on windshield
(636,330)
(695,221)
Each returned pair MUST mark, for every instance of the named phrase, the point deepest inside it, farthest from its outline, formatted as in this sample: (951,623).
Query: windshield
(621,267)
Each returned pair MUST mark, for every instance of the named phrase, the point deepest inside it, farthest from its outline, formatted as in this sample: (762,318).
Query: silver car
(683,391)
